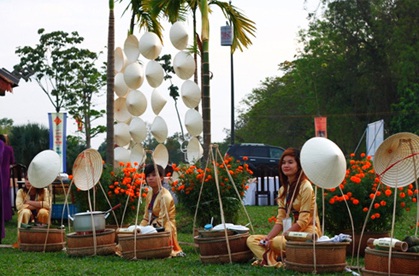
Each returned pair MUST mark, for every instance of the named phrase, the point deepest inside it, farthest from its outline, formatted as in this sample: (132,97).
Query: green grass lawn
(16,262)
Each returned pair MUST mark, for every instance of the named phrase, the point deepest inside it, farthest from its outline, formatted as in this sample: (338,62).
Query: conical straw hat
(121,133)
(120,59)
(157,101)
(193,122)
(161,155)
(121,155)
(191,94)
(87,169)
(138,154)
(131,49)
(136,103)
(121,113)
(150,45)
(159,129)
(120,87)
(138,130)
(184,65)
(178,36)
(134,75)
(154,73)
(396,161)
(323,162)
(194,150)
(44,168)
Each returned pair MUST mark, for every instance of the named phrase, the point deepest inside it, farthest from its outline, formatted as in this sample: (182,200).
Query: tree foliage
(358,64)
(68,75)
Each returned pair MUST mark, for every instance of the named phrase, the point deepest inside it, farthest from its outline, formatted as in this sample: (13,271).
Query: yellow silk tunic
(24,213)
(304,204)
(163,215)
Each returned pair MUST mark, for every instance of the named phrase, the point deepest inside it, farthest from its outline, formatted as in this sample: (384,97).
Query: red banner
(320,126)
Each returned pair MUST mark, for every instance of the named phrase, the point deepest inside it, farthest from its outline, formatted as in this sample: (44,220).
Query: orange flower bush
(359,187)
(188,184)
(124,185)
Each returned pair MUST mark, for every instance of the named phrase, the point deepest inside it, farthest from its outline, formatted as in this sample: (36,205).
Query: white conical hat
(121,155)
(154,73)
(193,122)
(138,154)
(44,168)
(122,135)
(396,160)
(136,103)
(159,129)
(134,75)
(179,36)
(157,101)
(87,169)
(150,45)
(138,129)
(191,94)
(184,65)
(194,150)
(323,162)
(120,87)
(161,155)
(121,113)
(131,49)
(120,59)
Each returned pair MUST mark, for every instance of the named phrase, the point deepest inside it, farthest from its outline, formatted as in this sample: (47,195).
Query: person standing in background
(8,160)
(3,234)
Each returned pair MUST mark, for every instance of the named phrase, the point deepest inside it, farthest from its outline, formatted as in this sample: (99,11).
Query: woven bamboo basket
(330,256)
(155,253)
(39,235)
(401,263)
(75,240)
(214,249)
(49,247)
(105,249)
(146,246)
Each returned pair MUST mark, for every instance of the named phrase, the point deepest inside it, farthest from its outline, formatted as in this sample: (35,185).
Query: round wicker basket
(330,256)
(401,263)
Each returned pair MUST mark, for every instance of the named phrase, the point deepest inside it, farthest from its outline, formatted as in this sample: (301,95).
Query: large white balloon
(136,103)
(150,45)
(122,135)
(154,73)
(179,36)
(161,155)
(191,94)
(157,101)
(159,129)
(134,75)
(121,113)
(120,87)
(131,49)
(138,130)
(194,150)
(87,169)
(193,122)
(120,59)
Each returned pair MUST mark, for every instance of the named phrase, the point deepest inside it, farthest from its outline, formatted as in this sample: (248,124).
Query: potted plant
(188,184)
(358,190)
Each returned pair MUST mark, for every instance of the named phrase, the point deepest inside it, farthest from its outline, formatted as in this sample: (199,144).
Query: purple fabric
(8,159)
(3,234)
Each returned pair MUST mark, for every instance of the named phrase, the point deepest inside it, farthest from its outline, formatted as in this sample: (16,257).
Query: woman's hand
(264,242)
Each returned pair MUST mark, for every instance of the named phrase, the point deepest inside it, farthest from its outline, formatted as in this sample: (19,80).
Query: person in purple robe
(8,160)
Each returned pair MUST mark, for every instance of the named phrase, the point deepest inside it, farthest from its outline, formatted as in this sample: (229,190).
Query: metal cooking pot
(83,221)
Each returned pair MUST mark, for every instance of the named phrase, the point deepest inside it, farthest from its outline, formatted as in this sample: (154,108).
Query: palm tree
(243,27)
(110,86)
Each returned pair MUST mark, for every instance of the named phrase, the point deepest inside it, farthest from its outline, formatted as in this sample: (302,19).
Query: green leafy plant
(190,179)
(358,189)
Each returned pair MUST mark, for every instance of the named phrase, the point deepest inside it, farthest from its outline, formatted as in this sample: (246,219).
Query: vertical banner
(58,136)
(375,136)
(226,35)
(320,126)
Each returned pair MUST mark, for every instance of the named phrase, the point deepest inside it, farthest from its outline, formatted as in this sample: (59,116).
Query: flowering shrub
(359,187)
(188,185)
(121,185)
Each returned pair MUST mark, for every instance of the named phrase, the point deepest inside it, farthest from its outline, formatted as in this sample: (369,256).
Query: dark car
(262,159)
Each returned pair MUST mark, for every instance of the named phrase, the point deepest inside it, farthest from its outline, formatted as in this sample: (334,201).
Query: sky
(277,23)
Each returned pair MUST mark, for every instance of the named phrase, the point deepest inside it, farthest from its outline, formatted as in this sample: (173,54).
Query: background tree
(27,141)
(66,74)
(110,79)
(5,125)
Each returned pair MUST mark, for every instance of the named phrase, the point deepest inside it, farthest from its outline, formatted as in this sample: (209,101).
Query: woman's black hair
(150,169)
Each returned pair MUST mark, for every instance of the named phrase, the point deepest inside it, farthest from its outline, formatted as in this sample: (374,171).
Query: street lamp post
(227,40)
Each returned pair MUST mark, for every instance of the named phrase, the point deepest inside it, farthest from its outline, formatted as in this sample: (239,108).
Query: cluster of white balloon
(130,130)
